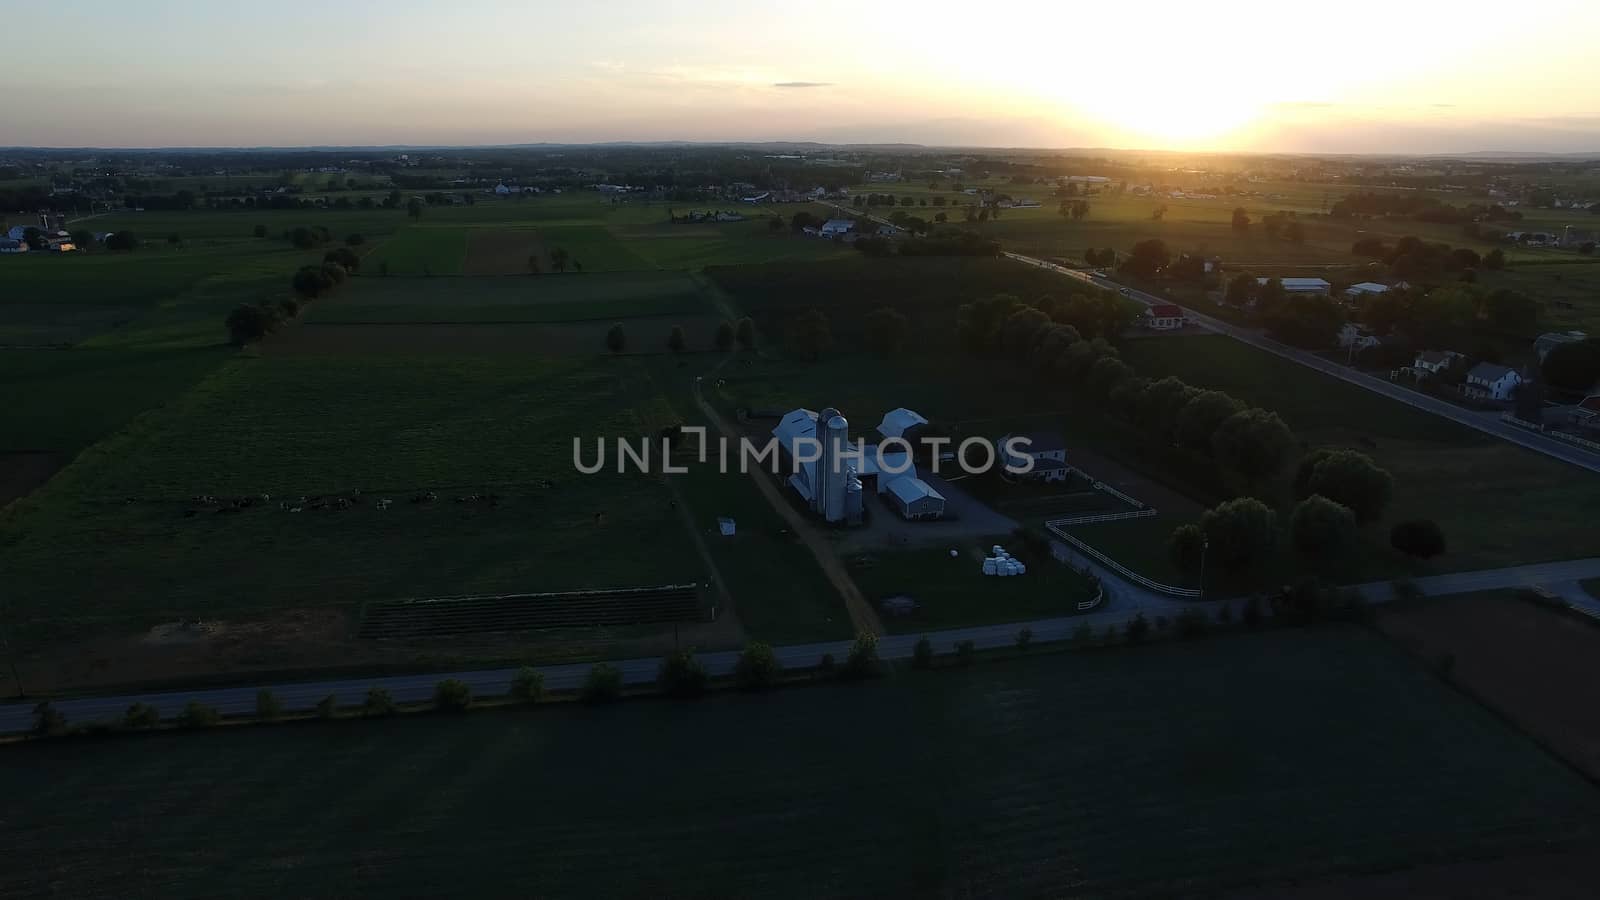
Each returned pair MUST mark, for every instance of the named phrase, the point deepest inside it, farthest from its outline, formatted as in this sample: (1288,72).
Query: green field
(1176,769)
(420,250)
(954,592)
(293,427)
(512,298)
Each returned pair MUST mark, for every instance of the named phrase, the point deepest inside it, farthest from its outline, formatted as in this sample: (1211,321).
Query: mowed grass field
(1498,504)
(389,427)
(420,250)
(569,297)
(1176,769)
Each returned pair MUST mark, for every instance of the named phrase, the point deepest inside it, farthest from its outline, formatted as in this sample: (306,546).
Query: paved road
(1123,602)
(1488,423)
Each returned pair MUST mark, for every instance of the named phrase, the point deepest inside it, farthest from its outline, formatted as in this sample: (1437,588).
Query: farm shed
(916,499)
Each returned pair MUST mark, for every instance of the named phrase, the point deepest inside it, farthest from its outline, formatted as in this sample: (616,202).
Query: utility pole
(1205,545)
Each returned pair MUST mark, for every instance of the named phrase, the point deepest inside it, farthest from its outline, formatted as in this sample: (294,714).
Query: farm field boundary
(521,612)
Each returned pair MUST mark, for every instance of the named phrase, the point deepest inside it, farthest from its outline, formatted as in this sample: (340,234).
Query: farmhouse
(1353,336)
(17,232)
(913,498)
(1304,286)
(1487,381)
(1047,449)
(835,227)
(1162,317)
(1433,362)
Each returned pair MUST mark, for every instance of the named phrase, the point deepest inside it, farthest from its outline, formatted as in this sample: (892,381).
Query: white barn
(914,498)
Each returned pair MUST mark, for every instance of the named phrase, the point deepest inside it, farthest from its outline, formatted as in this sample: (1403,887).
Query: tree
(260,231)
(603,685)
(452,695)
(174,240)
(807,335)
(863,659)
(885,331)
(559,257)
(312,281)
(1348,478)
(533,264)
(1138,628)
(1253,444)
(1024,638)
(616,339)
(82,238)
(1241,219)
(775,224)
(1200,418)
(1106,373)
(964,652)
(1512,311)
(1320,527)
(724,338)
(1294,232)
(124,241)
(47,720)
(922,654)
(249,323)
(1148,258)
(143,715)
(414,208)
(745,332)
(1239,532)
(1574,366)
(198,715)
(327,707)
(354,240)
(1186,547)
(378,704)
(675,339)
(1241,290)
(757,668)
(1495,259)
(1421,538)
(528,684)
(344,258)
(268,707)
(681,675)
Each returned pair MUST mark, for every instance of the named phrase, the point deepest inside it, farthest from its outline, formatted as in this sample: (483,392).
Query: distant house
(1365,289)
(890,231)
(1354,336)
(17,232)
(1487,381)
(914,498)
(501,190)
(1027,204)
(1304,286)
(1544,343)
(1434,361)
(1047,449)
(1162,317)
(8,245)
(834,227)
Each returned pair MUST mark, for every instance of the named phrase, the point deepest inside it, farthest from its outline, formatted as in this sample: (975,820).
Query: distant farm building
(1365,289)
(1162,317)
(916,499)
(1046,449)
(1303,286)
(834,227)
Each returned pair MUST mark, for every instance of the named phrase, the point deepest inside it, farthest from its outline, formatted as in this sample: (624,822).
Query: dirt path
(862,615)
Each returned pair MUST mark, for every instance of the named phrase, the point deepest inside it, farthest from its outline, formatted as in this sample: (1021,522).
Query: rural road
(1123,602)
(1488,423)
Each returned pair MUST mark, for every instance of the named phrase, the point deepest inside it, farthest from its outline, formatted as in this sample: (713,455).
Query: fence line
(1558,435)
(1119,568)
(1105,517)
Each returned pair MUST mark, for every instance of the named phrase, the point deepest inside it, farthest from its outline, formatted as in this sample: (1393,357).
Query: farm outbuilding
(914,498)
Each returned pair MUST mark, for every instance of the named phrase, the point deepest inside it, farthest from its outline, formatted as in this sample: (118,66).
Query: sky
(1358,76)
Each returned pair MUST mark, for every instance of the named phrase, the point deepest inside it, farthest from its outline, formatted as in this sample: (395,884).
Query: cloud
(802,84)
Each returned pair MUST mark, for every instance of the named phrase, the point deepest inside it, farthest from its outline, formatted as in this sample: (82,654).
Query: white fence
(1105,517)
(1119,568)
(1558,435)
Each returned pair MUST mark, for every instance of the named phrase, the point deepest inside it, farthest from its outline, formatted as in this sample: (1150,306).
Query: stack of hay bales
(1003,564)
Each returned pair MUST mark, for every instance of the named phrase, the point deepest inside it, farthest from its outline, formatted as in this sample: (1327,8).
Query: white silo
(825,464)
(835,484)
